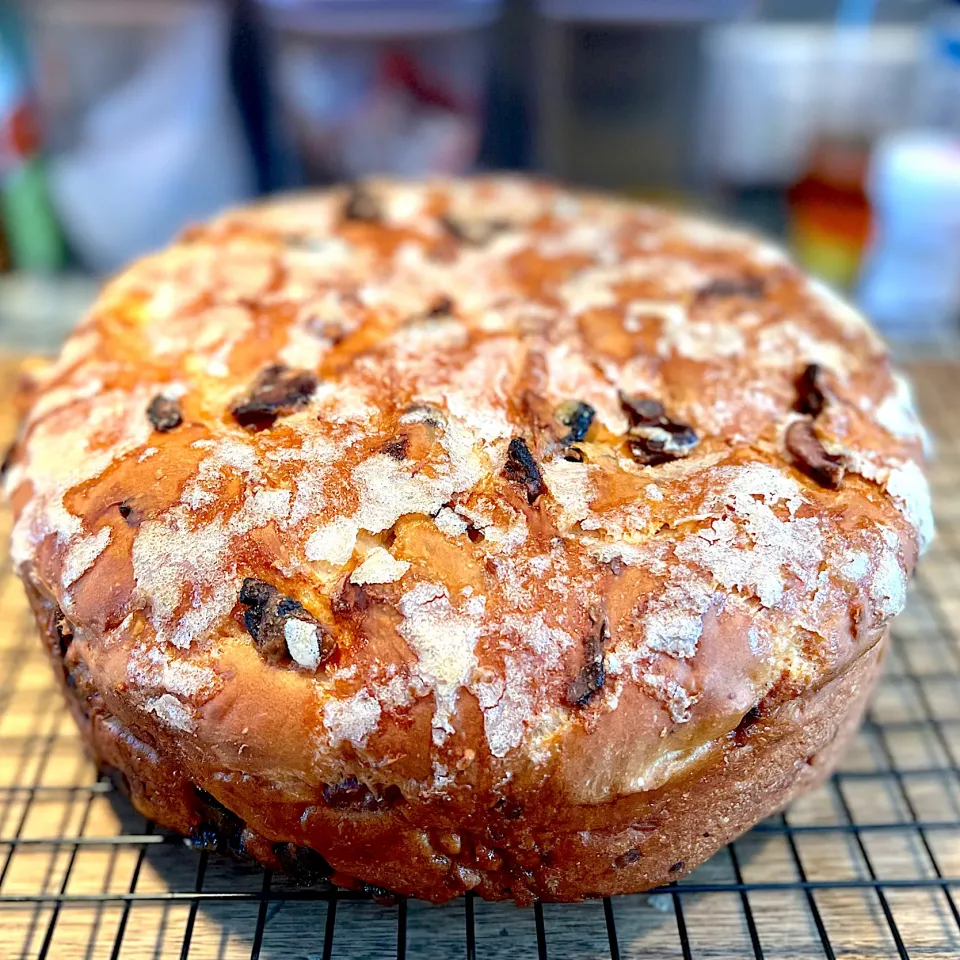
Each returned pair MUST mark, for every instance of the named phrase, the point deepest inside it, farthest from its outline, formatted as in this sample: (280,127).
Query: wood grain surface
(83,876)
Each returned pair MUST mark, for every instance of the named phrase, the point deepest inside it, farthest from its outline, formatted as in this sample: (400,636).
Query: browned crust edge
(653,838)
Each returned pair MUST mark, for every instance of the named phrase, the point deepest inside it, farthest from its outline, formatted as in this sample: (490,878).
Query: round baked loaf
(471,535)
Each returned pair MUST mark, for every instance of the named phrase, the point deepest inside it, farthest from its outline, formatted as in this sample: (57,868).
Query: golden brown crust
(375,838)
(504,503)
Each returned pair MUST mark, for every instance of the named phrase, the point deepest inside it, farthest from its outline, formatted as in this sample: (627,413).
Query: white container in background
(382,86)
(771,88)
(139,120)
(910,284)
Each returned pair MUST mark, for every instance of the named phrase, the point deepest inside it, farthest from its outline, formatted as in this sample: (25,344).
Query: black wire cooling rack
(866,867)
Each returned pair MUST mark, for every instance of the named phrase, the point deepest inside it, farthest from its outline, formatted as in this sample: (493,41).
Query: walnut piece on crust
(467,534)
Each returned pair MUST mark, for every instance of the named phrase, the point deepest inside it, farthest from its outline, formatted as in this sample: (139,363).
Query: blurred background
(832,125)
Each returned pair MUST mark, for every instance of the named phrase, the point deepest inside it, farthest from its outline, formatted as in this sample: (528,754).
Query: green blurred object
(29,222)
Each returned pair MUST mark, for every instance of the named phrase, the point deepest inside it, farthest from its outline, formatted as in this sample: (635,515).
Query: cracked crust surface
(504,477)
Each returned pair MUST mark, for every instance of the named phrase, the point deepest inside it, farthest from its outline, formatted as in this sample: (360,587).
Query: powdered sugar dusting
(444,642)
(333,542)
(897,413)
(450,523)
(81,554)
(888,583)
(677,700)
(353,718)
(505,713)
(909,487)
(379,566)
(758,554)
(172,712)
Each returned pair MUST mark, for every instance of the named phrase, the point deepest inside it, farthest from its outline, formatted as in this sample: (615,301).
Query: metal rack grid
(866,867)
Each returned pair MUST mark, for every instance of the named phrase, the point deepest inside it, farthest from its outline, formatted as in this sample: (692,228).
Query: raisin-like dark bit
(426,413)
(130,513)
(626,859)
(267,616)
(221,829)
(206,838)
(276,391)
(351,794)
(6,463)
(165,413)
(589,681)
(808,453)
(361,206)
(677,867)
(476,232)
(810,395)
(578,417)
(522,468)
(749,720)
(508,809)
(352,600)
(642,410)
(397,449)
(64,630)
(751,288)
(386,898)
(653,437)
(304,865)
(441,307)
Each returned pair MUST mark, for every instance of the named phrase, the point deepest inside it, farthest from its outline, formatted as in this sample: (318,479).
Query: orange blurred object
(24,131)
(829,210)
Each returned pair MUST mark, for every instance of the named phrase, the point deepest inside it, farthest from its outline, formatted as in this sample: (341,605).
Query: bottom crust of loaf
(770,759)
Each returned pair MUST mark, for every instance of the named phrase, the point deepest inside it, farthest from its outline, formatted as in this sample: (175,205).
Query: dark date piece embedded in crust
(351,794)
(277,391)
(397,448)
(591,677)
(281,627)
(164,413)
(808,453)
(653,437)
(475,232)
(521,467)
(750,288)
(577,417)
(6,463)
(130,513)
(810,391)
(362,206)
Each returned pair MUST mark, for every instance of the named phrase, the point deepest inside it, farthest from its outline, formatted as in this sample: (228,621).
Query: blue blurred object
(911,280)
